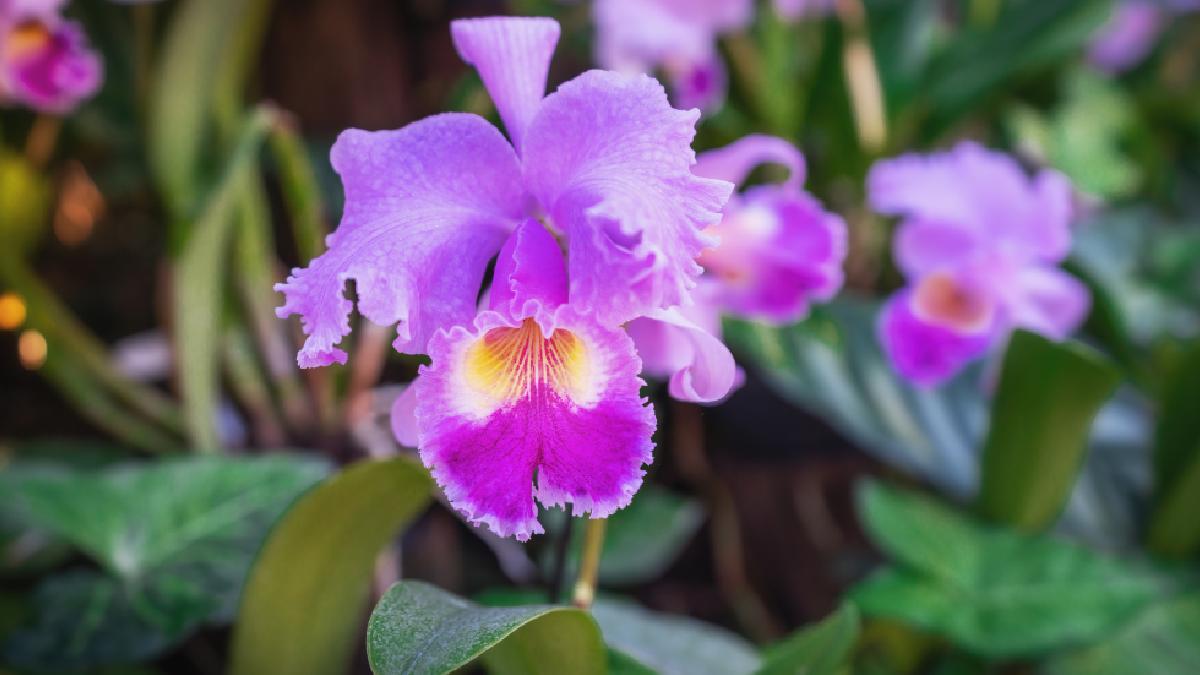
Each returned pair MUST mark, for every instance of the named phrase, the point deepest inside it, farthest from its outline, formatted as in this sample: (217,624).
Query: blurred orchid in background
(979,245)
(45,62)
(1132,31)
(778,252)
(678,36)
(604,163)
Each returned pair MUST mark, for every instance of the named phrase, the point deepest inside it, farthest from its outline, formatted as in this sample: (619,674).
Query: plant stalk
(589,564)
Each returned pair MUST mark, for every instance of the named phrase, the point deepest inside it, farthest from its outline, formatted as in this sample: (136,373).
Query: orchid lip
(942,300)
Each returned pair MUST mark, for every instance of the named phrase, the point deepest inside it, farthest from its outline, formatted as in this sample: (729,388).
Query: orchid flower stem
(42,139)
(862,77)
(589,565)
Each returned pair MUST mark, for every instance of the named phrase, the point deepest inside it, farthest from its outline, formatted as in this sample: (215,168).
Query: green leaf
(1027,36)
(175,539)
(1042,414)
(304,598)
(672,645)
(417,628)
(994,592)
(24,203)
(1174,526)
(197,289)
(1160,641)
(641,540)
(821,649)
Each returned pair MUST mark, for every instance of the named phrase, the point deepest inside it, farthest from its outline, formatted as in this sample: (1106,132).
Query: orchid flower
(1131,31)
(779,251)
(537,394)
(979,245)
(677,36)
(45,63)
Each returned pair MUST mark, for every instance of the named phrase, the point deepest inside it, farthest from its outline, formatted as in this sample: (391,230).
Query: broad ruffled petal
(427,207)
(514,399)
(925,354)
(684,345)
(779,252)
(529,267)
(512,55)
(610,161)
(1049,301)
(735,161)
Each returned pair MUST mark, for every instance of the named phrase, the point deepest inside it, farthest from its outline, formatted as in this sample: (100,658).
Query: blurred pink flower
(979,244)
(45,63)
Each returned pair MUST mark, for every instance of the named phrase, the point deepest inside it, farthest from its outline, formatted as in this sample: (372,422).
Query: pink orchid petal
(427,206)
(684,345)
(623,192)
(530,267)
(512,56)
(735,161)
(566,409)
(924,353)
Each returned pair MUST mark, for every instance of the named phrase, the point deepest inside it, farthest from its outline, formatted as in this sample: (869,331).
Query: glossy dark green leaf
(174,538)
(994,592)
(642,539)
(1174,525)
(672,645)
(821,649)
(1041,420)
(1161,640)
(832,366)
(417,628)
(301,608)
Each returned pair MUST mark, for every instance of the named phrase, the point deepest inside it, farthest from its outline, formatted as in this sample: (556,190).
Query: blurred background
(142,230)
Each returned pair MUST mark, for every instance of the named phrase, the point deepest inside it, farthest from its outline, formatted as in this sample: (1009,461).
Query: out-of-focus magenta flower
(979,246)
(543,381)
(677,36)
(604,162)
(45,63)
(779,251)
(1130,33)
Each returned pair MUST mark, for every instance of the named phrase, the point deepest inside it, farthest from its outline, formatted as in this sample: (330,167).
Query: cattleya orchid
(979,244)
(779,251)
(1130,32)
(538,392)
(45,63)
(678,36)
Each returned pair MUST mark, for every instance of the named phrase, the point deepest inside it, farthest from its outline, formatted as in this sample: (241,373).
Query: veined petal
(684,345)
(924,353)
(610,161)
(515,401)
(512,55)
(735,161)
(427,206)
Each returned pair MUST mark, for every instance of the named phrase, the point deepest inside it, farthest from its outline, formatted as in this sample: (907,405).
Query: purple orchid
(543,382)
(44,59)
(979,246)
(678,36)
(779,251)
(1130,33)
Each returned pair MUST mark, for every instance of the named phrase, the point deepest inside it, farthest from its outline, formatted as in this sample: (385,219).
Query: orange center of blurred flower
(26,39)
(941,300)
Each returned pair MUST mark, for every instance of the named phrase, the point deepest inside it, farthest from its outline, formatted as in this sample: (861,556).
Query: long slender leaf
(199,276)
(820,649)
(1174,526)
(301,607)
(1042,414)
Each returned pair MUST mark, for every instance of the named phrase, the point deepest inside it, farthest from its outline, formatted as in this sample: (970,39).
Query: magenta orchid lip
(45,62)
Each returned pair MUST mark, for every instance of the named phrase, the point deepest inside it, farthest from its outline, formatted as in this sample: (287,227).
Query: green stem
(589,564)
